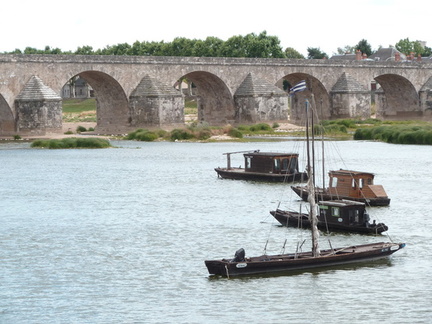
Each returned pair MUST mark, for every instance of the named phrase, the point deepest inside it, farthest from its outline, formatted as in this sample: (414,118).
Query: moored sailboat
(351,185)
(264,166)
(334,215)
(316,258)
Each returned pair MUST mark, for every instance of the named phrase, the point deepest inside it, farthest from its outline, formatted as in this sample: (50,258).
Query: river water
(120,236)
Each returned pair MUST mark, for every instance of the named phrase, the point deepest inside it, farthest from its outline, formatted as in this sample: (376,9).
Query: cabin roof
(341,203)
(270,154)
(349,173)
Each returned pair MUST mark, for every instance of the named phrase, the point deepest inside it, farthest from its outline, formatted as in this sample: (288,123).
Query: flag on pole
(298,87)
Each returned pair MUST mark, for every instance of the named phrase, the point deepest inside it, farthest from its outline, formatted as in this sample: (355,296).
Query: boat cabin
(343,212)
(270,162)
(354,184)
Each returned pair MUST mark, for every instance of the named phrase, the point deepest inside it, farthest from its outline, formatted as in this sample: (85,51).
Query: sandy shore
(72,127)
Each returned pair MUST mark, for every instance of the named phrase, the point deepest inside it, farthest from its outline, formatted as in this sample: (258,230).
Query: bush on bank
(72,142)
(399,134)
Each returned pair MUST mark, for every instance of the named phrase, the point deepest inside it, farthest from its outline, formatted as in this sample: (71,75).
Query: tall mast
(311,184)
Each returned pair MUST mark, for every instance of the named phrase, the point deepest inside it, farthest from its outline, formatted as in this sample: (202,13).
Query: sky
(327,25)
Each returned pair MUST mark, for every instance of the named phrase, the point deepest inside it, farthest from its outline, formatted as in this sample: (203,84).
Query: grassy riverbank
(82,112)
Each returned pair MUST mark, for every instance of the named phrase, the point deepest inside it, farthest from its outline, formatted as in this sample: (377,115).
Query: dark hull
(294,219)
(321,195)
(241,174)
(268,264)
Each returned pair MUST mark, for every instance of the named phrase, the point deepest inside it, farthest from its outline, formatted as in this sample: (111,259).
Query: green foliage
(250,45)
(47,50)
(364,47)
(85,50)
(397,134)
(315,53)
(347,49)
(293,54)
(143,135)
(406,46)
(275,125)
(79,105)
(72,142)
(16,137)
(204,134)
(260,127)
(234,132)
(181,134)
(81,129)
(348,123)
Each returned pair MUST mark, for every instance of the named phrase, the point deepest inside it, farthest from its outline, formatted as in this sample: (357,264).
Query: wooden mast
(311,184)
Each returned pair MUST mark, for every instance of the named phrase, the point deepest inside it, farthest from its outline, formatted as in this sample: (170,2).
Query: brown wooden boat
(334,215)
(351,185)
(264,166)
(283,263)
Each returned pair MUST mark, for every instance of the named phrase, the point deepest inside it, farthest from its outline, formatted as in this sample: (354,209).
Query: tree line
(251,45)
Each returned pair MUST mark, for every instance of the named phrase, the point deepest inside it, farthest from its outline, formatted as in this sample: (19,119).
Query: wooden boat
(334,215)
(264,166)
(283,263)
(352,185)
(300,261)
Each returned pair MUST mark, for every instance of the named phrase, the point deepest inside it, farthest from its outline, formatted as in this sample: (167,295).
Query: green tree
(292,53)
(85,50)
(407,47)
(364,47)
(347,49)
(233,47)
(210,47)
(252,45)
(315,53)
(180,46)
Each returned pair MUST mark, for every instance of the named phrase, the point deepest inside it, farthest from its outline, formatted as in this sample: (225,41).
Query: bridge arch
(397,98)
(112,107)
(7,120)
(215,101)
(320,98)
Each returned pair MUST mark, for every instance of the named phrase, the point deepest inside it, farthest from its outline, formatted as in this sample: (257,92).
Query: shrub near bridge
(143,135)
(402,134)
(72,142)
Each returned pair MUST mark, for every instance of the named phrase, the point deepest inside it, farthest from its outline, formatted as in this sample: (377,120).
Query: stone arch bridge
(135,92)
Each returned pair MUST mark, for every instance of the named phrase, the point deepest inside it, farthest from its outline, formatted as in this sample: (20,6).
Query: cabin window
(333,182)
(247,162)
(361,183)
(276,164)
(354,216)
(292,165)
(285,164)
(354,183)
(369,181)
(335,211)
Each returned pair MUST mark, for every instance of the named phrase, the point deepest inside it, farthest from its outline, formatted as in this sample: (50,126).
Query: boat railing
(228,154)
